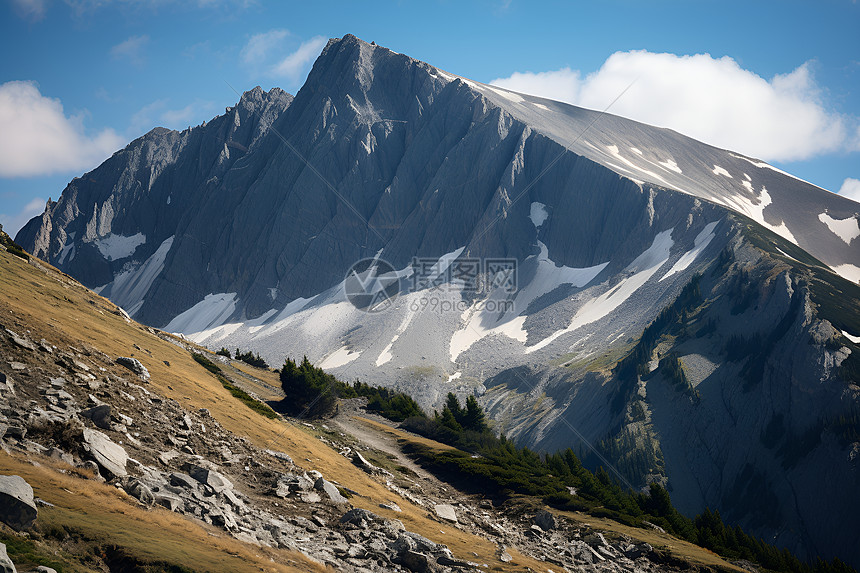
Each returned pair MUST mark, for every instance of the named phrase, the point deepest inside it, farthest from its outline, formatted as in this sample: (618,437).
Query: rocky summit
(687,314)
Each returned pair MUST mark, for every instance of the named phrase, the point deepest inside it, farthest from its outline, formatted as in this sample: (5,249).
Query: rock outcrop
(17,508)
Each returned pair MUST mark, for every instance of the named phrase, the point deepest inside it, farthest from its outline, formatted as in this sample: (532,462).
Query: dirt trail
(346,420)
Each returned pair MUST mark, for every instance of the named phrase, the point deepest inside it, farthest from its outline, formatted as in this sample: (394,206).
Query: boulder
(107,454)
(44,569)
(330,490)
(16,432)
(545,520)
(211,478)
(168,501)
(135,366)
(6,565)
(100,416)
(17,508)
(359,517)
(140,491)
(446,512)
(183,480)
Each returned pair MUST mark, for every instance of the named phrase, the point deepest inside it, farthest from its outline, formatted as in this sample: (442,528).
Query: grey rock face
(17,508)
(110,456)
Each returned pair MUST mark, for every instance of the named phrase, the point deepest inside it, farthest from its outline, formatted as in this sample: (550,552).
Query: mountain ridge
(608,221)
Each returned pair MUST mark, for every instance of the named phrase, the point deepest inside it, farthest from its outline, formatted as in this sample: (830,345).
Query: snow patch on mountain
(720,171)
(210,313)
(538,214)
(386,355)
(128,289)
(339,357)
(613,149)
(846,229)
(643,268)
(703,239)
(68,248)
(482,318)
(115,247)
(671,166)
(848,271)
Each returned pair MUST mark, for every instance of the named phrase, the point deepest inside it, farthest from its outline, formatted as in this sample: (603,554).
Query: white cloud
(714,100)
(38,139)
(261,45)
(295,65)
(13,223)
(33,10)
(851,189)
(159,114)
(131,49)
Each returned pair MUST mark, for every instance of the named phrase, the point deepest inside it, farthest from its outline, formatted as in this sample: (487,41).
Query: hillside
(133,505)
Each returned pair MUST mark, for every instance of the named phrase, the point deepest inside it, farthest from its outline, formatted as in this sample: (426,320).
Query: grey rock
(44,569)
(110,456)
(545,520)
(446,512)
(6,565)
(183,480)
(17,508)
(168,501)
(280,455)
(210,478)
(135,366)
(414,561)
(168,456)
(100,416)
(359,517)
(330,490)
(15,432)
(310,497)
(21,341)
(140,491)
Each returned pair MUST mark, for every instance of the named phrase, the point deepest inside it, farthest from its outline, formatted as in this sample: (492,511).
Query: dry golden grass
(402,435)
(107,516)
(57,308)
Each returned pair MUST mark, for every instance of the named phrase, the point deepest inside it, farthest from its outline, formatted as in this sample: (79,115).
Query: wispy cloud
(295,65)
(851,189)
(160,114)
(712,99)
(13,223)
(39,139)
(261,45)
(131,49)
(32,10)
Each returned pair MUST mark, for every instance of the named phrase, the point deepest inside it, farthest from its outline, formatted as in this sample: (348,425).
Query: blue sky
(779,80)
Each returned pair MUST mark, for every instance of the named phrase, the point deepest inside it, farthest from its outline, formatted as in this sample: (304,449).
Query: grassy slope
(684,550)
(57,308)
